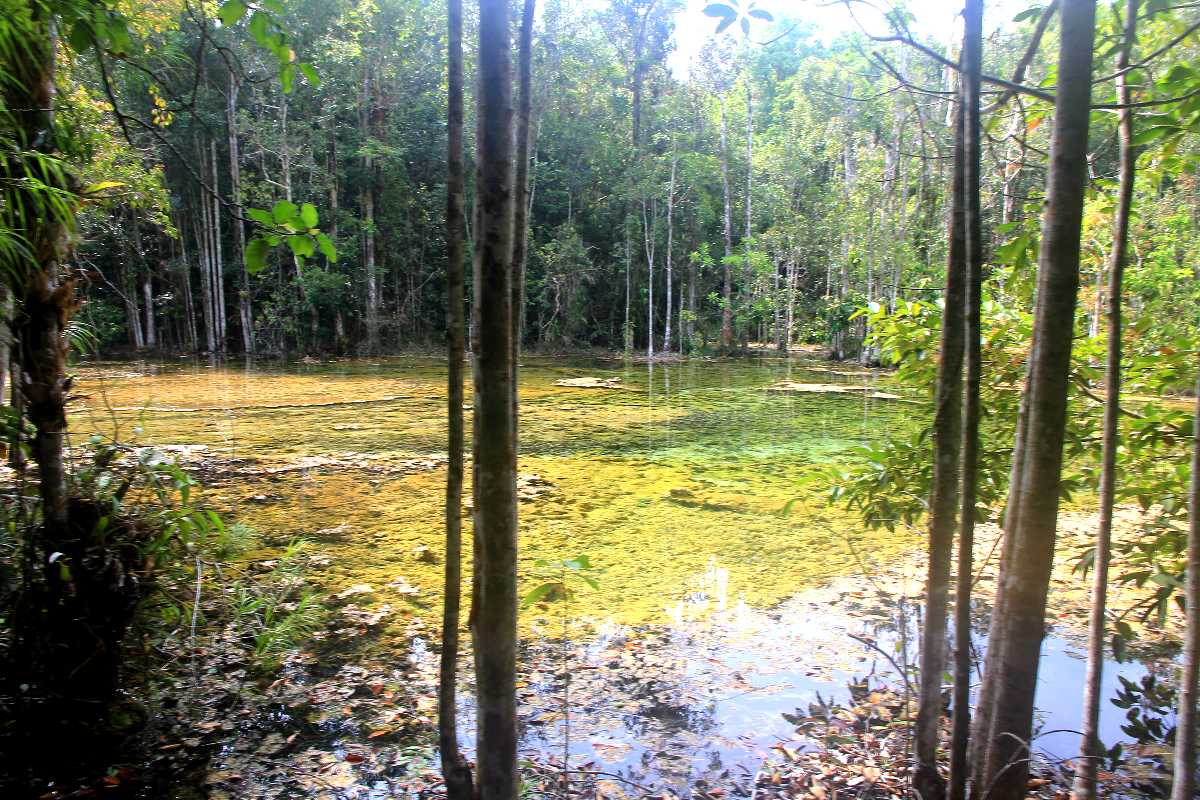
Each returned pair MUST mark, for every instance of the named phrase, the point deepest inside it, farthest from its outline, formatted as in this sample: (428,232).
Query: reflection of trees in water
(641,701)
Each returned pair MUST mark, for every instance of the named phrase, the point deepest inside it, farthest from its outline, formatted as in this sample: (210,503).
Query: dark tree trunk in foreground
(1019,625)
(47,296)
(455,771)
(494,604)
(1184,786)
(943,502)
(1090,750)
(969,455)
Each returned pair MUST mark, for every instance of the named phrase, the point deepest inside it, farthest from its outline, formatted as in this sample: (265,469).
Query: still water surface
(714,612)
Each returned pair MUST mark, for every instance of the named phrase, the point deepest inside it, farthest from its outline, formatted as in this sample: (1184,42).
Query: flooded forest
(621,400)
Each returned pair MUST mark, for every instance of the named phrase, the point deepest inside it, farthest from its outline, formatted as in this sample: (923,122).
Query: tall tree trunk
(670,243)
(368,213)
(521,204)
(747,274)
(727,231)
(203,232)
(790,329)
(943,502)
(185,279)
(47,294)
(455,771)
(1184,785)
(1025,574)
(648,240)
(1090,748)
(218,257)
(494,600)
(245,316)
(6,340)
(627,329)
(969,450)
(151,333)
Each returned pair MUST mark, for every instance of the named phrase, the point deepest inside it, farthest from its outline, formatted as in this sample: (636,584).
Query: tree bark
(494,602)
(943,501)
(455,772)
(368,212)
(969,450)
(1091,751)
(218,257)
(47,295)
(1025,575)
(747,274)
(1184,784)
(648,221)
(245,316)
(521,204)
(670,243)
(727,231)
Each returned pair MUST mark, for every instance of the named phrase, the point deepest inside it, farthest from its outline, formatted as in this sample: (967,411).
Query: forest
(626,399)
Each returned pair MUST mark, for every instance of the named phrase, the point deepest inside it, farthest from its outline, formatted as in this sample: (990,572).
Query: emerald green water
(686,466)
(715,612)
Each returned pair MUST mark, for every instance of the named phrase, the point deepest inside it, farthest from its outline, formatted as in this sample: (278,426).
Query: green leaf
(232,12)
(1156,132)
(302,246)
(327,249)
(284,212)
(538,593)
(758,13)
(81,37)
(725,23)
(256,256)
(310,74)
(258,27)
(260,216)
(287,78)
(308,215)
(720,10)
(96,188)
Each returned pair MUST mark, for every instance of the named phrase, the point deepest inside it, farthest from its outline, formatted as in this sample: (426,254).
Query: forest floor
(351,711)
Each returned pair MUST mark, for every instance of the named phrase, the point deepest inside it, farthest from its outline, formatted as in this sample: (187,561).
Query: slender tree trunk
(944,499)
(151,333)
(627,329)
(47,295)
(245,316)
(130,291)
(790,330)
(456,773)
(1184,785)
(1090,747)
(727,231)
(670,243)
(368,212)
(969,450)
(6,340)
(218,258)
(747,273)
(521,205)
(203,232)
(494,601)
(1025,575)
(185,277)
(648,221)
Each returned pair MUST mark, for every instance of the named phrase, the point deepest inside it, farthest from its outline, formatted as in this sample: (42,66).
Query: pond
(728,584)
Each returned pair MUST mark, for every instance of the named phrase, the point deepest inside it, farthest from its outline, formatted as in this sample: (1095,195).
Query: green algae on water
(675,484)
